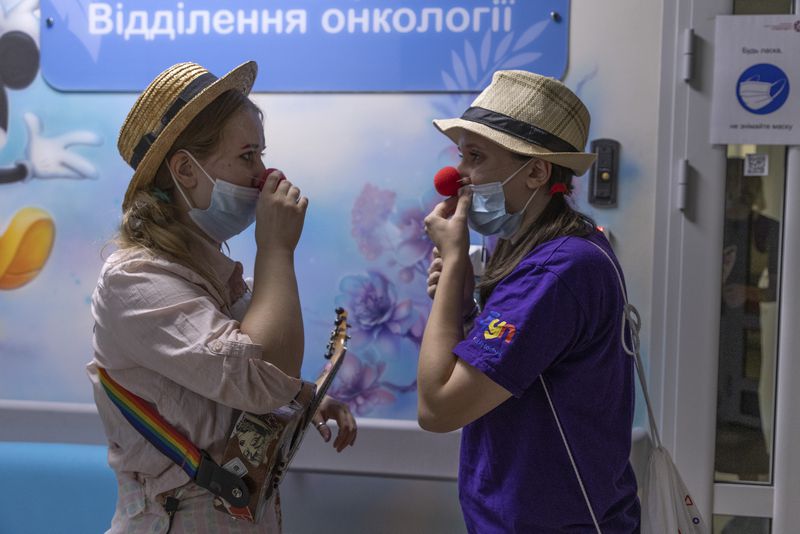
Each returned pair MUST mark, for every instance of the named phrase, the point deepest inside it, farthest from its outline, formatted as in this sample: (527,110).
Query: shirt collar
(228,271)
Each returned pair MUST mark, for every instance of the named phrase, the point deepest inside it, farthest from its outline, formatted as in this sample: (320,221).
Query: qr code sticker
(756,165)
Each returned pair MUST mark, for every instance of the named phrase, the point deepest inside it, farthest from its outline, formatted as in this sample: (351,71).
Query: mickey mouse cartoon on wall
(27,241)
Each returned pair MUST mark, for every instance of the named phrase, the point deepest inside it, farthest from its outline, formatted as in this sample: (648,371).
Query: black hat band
(518,128)
(190,91)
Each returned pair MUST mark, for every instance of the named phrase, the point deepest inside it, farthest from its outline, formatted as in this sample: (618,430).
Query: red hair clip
(559,188)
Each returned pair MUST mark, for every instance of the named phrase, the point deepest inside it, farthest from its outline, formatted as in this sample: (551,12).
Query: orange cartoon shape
(25,246)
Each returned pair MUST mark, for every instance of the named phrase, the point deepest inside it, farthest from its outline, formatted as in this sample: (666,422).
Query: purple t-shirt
(558,314)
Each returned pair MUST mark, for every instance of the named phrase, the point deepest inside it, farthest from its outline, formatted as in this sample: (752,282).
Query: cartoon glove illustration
(50,157)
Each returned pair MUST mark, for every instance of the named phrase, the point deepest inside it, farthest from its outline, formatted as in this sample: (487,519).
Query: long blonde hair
(153,220)
(558,219)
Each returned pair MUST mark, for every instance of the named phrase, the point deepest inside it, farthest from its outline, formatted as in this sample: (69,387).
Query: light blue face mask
(487,214)
(231,211)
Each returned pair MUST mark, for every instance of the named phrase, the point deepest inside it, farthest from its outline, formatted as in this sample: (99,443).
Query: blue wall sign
(304,45)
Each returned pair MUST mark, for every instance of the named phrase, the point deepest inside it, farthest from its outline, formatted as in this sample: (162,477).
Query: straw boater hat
(531,115)
(165,108)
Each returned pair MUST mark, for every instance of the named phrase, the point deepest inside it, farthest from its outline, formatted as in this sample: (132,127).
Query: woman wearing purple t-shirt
(540,383)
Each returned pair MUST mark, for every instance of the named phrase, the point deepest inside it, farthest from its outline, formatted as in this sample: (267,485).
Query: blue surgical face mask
(231,211)
(487,214)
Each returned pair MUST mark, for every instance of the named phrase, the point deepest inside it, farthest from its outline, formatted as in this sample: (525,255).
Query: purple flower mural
(359,384)
(387,304)
(394,233)
(371,301)
(413,252)
(370,211)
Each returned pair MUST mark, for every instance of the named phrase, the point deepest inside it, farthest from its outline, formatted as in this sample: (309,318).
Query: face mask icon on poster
(757,94)
(231,211)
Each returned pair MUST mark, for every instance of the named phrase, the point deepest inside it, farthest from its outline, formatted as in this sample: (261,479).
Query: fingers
(445,208)
(433,278)
(281,187)
(434,273)
(81,166)
(294,194)
(80,137)
(273,180)
(435,265)
(464,202)
(348,430)
(286,188)
(34,125)
(339,412)
(321,426)
(303,204)
(431,290)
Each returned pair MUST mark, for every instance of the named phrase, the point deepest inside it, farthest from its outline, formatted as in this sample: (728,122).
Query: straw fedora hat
(164,109)
(528,114)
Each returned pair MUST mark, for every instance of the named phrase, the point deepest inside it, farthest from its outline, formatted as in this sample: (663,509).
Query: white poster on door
(756,96)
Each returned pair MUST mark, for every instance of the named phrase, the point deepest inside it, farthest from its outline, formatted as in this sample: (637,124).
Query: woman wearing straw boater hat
(181,343)
(533,370)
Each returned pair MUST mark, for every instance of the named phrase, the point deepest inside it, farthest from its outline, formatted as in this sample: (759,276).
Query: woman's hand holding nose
(280,213)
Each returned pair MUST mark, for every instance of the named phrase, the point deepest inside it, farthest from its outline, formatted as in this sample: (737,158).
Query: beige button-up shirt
(164,333)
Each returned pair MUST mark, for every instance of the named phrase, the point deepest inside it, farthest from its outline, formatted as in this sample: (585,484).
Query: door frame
(687,281)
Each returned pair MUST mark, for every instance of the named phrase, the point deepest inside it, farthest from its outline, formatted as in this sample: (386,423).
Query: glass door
(748,327)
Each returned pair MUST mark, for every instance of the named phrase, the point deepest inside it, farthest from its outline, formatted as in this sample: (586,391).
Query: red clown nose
(263,178)
(447,181)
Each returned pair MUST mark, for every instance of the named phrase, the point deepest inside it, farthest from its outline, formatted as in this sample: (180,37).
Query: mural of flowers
(370,212)
(359,383)
(387,304)
(393,232)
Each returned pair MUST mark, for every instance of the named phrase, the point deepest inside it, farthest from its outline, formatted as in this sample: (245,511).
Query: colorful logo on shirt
(495,328)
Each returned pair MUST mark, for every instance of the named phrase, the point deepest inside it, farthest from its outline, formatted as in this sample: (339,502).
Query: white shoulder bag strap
(631,318)
(571,458)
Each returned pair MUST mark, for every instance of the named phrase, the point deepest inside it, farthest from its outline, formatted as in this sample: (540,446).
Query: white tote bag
(667,506)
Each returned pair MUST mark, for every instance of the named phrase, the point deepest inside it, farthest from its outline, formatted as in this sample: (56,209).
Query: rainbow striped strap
(174,445)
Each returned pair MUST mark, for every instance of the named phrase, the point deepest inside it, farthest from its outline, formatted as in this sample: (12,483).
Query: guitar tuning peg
(339,310)
(348,337)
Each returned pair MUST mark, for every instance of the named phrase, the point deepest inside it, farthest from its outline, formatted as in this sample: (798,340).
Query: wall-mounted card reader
(604,179)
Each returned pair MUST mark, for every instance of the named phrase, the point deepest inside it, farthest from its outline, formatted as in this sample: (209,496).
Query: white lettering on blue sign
(105,18)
